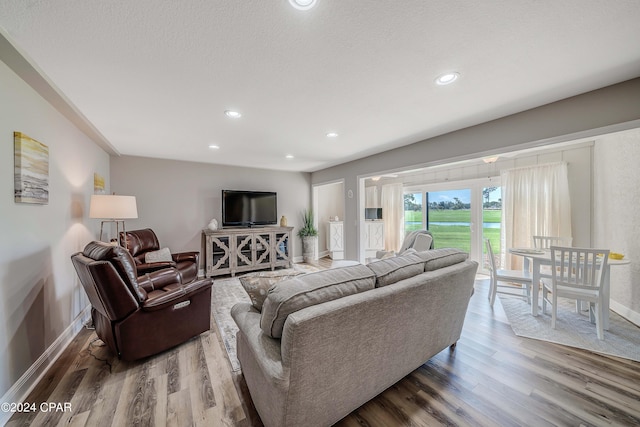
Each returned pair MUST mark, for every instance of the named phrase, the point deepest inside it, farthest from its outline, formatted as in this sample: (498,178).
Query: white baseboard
(25,384)
(323,254)
(626,312)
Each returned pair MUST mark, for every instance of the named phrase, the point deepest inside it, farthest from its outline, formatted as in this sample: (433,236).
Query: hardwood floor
(492,378)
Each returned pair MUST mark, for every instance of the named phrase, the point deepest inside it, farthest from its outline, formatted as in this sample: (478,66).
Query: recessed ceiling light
(233,114)
(214,146)
(447,78)
(332,135)
(303,4)
(289,156)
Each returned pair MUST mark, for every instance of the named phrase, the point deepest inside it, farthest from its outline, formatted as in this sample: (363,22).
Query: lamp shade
(113,206)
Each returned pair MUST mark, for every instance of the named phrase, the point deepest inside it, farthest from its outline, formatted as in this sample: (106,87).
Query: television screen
(373,213)
(249,208)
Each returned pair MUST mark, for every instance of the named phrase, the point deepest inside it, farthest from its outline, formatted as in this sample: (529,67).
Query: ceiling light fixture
(289,156)
(303,4)
(490,159)
(233,114)
(332,135)
(447,78)
(214,146)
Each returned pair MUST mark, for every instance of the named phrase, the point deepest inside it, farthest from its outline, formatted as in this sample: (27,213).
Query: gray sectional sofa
(325,343)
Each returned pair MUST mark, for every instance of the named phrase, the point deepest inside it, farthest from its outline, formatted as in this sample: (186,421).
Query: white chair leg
(554,309)
(599,318)
(494,291)
(545,295)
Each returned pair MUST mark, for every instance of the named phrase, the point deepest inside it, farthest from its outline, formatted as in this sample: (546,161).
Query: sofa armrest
(265,351)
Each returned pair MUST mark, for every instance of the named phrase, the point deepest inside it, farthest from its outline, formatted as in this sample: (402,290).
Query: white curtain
(371,197)
(535,202)
(392,199)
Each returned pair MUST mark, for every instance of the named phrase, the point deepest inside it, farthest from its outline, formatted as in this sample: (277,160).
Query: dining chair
(545,242)
(523,278)
(576,273)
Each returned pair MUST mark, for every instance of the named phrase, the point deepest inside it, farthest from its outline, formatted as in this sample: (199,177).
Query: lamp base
(117,221)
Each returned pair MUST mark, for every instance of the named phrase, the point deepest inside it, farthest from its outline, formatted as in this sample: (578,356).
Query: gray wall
(588,114)
(617,199)
(41,299)
(177,199)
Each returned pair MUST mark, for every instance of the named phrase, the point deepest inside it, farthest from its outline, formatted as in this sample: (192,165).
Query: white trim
(25,384)
(626,312)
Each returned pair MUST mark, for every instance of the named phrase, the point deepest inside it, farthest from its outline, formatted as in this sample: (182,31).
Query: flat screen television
(249,208)
(373,213)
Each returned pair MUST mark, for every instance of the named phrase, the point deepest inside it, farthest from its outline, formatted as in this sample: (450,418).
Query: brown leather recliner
(140,316)
(139,242)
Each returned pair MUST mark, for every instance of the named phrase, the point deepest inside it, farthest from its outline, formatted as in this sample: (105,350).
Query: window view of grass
(449,216)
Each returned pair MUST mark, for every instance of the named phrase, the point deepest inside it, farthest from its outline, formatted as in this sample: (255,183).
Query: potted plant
(309,235)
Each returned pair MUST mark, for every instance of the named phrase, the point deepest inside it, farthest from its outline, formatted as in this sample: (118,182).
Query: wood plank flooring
(492,378)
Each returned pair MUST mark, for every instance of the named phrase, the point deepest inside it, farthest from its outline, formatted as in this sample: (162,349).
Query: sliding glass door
(449,218)
(459,215)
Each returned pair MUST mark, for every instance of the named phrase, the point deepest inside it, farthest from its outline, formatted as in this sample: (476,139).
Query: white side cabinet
(335,239)
(374,237)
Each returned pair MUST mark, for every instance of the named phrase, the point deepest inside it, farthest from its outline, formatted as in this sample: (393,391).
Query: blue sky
(463,195)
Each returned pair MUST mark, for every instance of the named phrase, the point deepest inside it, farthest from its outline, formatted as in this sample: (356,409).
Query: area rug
(573,329)
(227,292)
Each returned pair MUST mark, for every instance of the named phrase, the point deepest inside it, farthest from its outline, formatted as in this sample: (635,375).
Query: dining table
(535,259)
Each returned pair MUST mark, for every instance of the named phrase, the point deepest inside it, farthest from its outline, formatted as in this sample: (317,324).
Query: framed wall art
(31,170)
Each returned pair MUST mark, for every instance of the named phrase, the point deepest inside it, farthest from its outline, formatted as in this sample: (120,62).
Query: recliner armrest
(159,279)
(146,267)
(186,256)
(173,295)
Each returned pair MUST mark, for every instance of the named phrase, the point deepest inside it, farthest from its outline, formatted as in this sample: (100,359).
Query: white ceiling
(155,77)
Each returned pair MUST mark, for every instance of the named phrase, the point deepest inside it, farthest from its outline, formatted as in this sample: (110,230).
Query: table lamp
(113,208)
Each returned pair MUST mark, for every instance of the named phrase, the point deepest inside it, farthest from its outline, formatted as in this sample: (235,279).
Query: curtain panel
(535,202)
(392,198)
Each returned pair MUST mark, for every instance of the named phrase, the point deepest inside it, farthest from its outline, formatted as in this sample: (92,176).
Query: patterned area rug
(573,329)
(225,294)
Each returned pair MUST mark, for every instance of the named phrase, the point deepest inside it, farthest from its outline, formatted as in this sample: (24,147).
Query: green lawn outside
(455,236)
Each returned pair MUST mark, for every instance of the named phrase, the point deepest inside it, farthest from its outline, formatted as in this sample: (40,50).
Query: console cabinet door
(218,254)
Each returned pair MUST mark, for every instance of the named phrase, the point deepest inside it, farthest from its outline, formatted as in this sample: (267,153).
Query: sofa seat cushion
(256,285)
(440,258)
(394,269)
(294,294)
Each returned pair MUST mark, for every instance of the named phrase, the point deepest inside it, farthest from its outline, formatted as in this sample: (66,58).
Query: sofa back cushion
(394,269)
(440,258)
(300,292)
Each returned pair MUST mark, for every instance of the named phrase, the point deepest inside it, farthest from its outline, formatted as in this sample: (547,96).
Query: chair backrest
(423,242)
(492,260)
(108,275)
(410,240)
(578,267)
(140,242)
(545,242)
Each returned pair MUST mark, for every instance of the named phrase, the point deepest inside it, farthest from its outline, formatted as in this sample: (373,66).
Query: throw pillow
(257,285)
(158,256)
(305,291)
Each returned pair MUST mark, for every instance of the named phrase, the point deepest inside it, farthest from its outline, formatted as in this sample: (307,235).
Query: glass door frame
(476,186)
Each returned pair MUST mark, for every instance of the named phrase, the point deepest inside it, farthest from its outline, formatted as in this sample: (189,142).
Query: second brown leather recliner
(141,242)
